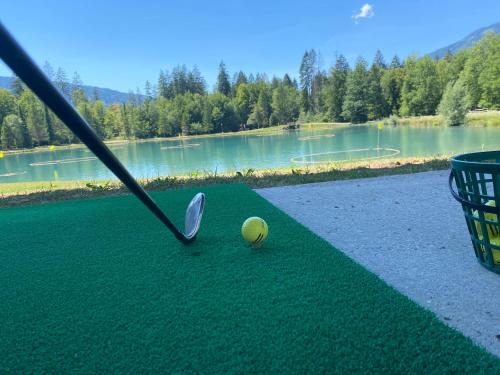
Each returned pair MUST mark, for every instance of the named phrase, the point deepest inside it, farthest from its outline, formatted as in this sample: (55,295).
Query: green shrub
(393,120)
(453,106)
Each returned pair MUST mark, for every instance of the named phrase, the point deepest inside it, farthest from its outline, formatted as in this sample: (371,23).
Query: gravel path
(408,230)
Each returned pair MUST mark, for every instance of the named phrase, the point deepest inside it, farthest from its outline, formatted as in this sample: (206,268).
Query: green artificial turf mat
(101,286)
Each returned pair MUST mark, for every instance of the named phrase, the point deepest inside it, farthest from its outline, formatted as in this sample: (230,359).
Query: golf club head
(194,212)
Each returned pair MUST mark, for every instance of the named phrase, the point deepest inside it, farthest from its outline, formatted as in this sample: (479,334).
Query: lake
(232,153)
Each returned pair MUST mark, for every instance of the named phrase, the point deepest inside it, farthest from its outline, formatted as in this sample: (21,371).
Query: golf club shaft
(24,67)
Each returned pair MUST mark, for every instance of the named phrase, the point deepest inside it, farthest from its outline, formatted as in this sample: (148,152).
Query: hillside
(108,96)
(466,42)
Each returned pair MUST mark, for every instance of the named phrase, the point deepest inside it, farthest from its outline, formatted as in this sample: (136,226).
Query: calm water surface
(232,153)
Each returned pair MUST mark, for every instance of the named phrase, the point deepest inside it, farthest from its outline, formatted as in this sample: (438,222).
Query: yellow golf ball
(495,252)
(492,228)
(254,230)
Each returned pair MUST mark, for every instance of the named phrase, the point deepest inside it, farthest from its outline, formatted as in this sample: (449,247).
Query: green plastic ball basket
(477,181)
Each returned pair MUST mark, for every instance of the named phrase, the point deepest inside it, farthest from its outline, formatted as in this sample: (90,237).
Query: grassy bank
(474,119)
(12,194)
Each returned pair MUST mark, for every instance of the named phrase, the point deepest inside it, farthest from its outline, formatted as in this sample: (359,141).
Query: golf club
(24,67)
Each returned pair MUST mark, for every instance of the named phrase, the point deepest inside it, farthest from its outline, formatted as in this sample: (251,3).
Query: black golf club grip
(24,67)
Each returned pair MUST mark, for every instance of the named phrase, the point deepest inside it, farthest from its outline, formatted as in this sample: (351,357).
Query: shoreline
(20,193)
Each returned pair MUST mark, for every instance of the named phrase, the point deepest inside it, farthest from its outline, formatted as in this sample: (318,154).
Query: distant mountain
(108,96)
(466,42)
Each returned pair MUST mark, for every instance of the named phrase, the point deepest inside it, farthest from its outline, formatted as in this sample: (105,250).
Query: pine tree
(179,83)
(261,78)
(275,82)
(287,81)
(378,60)
(76,82)
(336,88)
(377,106)
(49,122)
(163,123)
(317,98)
(48,70)
(223,85)
(61,82)
(355,108)
(17,86)
(127,130)
(95,94)
(196,82)
(395,62)
(148,91)
(154,91)
(77,93)
(307,72)
(392,83)
(47,114)
(162,85)
(97,122)
(240,79)
(169,94)
(132,99)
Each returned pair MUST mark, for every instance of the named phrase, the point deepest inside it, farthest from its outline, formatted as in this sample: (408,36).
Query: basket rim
(458,160)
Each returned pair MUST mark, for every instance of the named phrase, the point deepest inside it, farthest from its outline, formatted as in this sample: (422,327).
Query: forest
(179,103)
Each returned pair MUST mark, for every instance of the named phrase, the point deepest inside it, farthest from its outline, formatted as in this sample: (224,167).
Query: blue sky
(121,44)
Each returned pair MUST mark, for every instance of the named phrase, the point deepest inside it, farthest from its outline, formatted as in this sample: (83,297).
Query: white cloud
(366,11)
